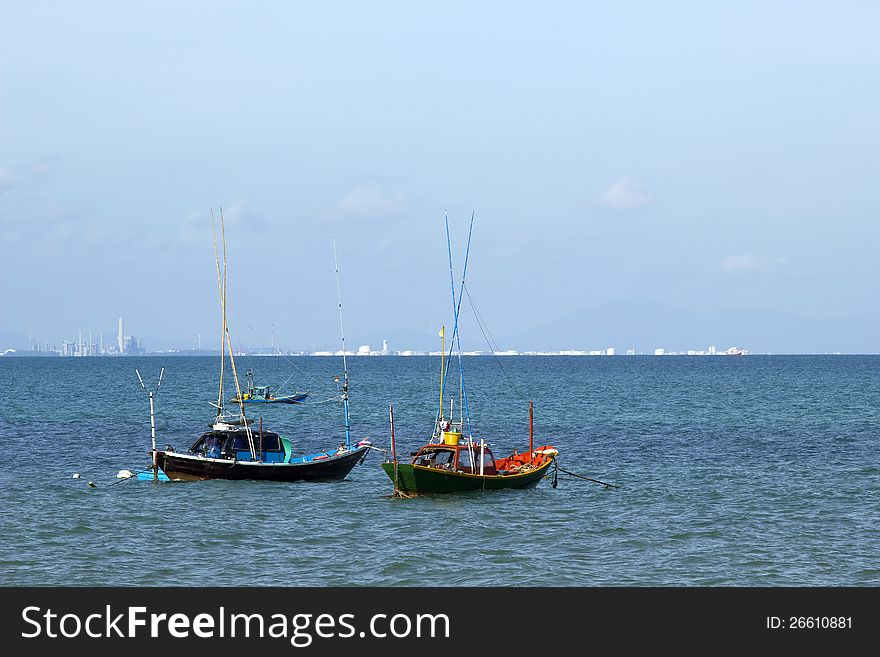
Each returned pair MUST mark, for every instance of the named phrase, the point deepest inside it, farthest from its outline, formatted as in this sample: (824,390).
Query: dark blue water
(756,470)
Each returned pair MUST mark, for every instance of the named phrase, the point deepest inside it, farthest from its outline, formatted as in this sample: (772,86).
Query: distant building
(609,351)
(131,346)
(659,352)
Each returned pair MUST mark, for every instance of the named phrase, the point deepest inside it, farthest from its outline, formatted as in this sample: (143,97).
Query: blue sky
(716,158)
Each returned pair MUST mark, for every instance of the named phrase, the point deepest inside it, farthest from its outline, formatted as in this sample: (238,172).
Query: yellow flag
(441,331)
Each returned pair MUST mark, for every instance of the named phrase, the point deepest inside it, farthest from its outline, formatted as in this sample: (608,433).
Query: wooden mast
(222,281)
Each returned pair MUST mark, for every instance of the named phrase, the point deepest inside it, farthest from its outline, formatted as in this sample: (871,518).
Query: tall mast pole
(223,311)
(226,342)
(247,428)
(456,307)
(344,363)
(442,357)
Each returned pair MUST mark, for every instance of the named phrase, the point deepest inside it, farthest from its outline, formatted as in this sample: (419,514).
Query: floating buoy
(124,474)
(92,484)
(76,475)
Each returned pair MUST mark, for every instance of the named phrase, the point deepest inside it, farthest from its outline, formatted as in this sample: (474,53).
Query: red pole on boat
(531,429)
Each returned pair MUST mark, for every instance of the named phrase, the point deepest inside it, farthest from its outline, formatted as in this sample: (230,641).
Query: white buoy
(92,484)
(124,474)
(76,475)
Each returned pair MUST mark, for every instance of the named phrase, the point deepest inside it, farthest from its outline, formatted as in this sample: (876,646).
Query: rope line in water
(580,476)
(308,377)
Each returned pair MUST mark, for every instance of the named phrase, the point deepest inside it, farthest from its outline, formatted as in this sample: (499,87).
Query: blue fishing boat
(263,394)
(229,451)
(233,448)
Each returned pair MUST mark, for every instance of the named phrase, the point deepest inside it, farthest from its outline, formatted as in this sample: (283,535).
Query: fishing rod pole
(456,307)
(152,394)
(344,362)
(223,310)
(222,281)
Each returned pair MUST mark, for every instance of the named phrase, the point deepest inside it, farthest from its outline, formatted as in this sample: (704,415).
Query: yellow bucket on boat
(451,437)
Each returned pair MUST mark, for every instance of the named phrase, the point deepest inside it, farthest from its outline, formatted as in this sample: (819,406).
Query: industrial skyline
(127,345)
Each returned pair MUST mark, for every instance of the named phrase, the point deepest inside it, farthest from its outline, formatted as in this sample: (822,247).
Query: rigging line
(309,377)
(335,398)
(457,335)
(494,348)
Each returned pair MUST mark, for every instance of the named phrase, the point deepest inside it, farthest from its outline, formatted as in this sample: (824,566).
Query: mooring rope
(579,476)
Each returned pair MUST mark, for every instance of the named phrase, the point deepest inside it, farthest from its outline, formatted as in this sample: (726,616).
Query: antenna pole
(344,362)
(152,395)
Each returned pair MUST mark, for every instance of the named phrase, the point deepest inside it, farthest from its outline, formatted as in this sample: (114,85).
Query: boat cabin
(456,458)
(261,392)
(234,445)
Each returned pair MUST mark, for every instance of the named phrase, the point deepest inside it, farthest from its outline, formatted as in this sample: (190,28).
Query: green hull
(416,479)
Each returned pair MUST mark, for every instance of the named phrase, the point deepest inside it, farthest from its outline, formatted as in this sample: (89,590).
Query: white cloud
(245,228)
(370,201)
(738,263)
(626,194)
(241,214)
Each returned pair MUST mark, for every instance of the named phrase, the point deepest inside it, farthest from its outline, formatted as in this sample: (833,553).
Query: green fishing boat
(441,467)
(453,461)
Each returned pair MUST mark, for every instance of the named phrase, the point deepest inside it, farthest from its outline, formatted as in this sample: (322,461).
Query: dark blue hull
(190,467)
(287,399)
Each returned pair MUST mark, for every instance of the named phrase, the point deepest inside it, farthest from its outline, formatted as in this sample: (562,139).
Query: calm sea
(734,471)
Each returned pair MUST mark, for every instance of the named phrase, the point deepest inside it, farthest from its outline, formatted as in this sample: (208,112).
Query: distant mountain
(645,325)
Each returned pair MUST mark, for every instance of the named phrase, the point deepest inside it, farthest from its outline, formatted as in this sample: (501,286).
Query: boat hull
(416,479)
(289,399)
(189,467)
